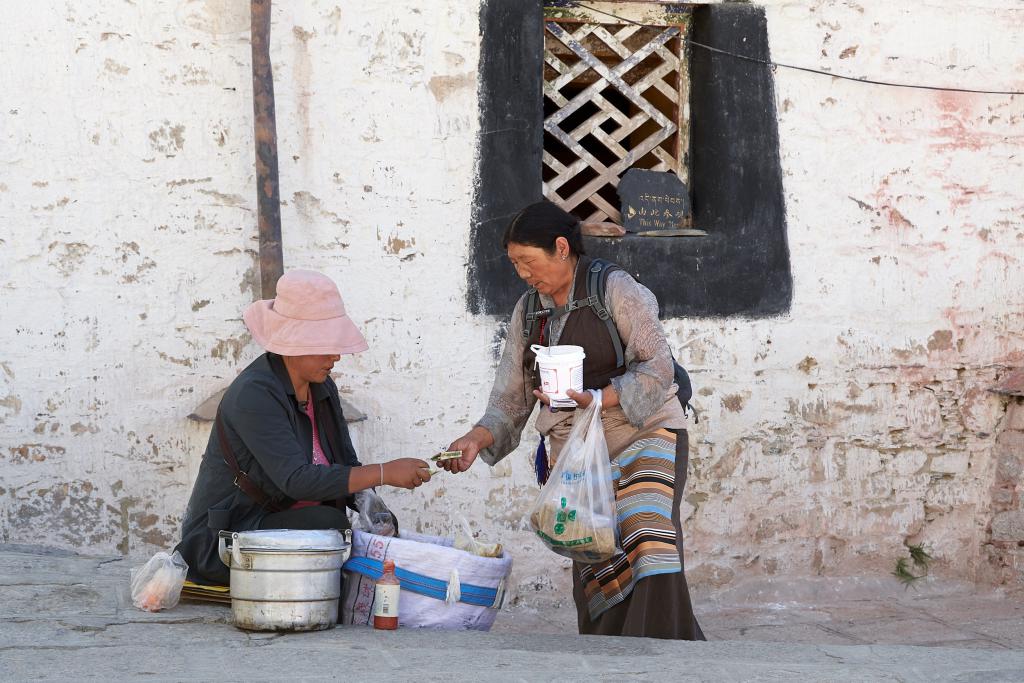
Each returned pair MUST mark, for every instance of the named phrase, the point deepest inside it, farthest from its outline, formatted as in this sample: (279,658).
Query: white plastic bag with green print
(575,512)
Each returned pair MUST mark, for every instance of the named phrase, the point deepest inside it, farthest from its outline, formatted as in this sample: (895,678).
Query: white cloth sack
(455,582)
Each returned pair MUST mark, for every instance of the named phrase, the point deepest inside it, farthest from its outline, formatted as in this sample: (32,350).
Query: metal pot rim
(289,540)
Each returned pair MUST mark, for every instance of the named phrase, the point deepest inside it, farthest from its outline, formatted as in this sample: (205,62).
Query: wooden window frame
(616,97)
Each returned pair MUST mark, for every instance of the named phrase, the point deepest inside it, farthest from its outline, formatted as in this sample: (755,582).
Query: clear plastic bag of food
(374,515)
(575,512)
(157,584)
(464,540)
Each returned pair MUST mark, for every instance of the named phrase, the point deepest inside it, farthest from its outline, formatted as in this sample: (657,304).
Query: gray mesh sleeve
(511,401)
(649,368)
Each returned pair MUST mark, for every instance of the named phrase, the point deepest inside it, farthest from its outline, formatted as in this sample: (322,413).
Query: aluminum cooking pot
(283,579)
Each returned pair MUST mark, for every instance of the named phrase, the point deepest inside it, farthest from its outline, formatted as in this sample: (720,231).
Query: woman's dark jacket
(272,439)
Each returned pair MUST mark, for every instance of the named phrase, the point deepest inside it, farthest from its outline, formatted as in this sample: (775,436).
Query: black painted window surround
(742,267)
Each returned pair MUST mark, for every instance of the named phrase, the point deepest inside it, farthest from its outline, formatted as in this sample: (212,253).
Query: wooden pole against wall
(268,197)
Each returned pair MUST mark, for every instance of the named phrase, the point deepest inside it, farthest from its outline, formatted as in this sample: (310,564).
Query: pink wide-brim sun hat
(307,318)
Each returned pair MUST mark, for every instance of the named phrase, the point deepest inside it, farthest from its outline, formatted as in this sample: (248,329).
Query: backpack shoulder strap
(597,279)
(530,313)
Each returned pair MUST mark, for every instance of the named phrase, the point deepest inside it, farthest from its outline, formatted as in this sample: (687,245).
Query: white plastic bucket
(561,369)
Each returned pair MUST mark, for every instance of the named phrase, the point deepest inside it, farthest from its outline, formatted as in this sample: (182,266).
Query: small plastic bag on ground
(374,515)
(157,584)
(575,512)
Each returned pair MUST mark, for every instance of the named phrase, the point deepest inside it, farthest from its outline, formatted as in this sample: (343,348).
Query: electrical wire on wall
(776,65)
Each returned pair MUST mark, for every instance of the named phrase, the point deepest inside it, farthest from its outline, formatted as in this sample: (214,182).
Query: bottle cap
(389,565)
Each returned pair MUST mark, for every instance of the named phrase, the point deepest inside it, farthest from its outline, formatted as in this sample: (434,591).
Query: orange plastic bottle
(385,600)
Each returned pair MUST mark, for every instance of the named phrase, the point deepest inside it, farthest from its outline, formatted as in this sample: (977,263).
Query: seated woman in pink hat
(279,455)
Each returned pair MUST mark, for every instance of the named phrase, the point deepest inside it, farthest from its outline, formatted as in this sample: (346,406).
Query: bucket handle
(224,546)
(536,348)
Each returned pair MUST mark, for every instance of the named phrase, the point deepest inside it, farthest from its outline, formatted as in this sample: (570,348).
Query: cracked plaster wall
(828,436)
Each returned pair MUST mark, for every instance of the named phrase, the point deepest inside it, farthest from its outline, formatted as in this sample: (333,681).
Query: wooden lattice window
(616,96)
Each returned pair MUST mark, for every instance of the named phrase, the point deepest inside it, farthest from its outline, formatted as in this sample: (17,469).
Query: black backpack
(597,279)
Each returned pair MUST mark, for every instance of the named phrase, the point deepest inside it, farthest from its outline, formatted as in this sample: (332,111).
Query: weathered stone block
(1008,468)
(1010,442)
(1002,496)
(709,575)
(950,463)
(980,410)
(1015,415)
(1008,526)
(924,414)
(907,463)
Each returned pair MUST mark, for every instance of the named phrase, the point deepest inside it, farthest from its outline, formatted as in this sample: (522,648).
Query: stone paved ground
(838,612)
(69,617)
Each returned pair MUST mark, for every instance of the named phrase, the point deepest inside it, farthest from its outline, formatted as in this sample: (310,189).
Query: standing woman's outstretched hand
(470,443)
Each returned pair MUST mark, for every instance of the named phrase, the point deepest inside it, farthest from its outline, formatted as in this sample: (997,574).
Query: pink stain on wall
(963,195)
(957,128)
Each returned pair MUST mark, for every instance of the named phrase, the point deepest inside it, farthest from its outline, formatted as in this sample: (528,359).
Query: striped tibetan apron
(645,485)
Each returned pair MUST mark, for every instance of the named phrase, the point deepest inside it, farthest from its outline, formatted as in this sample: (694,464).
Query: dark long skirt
(311,517)
(658,606)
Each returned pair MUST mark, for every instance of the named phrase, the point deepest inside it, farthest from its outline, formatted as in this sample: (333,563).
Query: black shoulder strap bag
(242,479)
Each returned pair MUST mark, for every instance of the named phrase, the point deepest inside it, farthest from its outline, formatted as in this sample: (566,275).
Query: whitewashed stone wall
(828,438)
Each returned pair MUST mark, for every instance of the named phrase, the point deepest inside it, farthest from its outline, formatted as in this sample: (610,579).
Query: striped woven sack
(442,587)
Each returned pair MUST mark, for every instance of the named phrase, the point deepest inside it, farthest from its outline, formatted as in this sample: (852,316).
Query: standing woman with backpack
(641,591)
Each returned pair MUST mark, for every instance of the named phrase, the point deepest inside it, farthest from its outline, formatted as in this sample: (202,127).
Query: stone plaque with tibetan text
(653,200)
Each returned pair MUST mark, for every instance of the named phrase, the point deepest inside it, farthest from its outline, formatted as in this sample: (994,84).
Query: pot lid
(290,539)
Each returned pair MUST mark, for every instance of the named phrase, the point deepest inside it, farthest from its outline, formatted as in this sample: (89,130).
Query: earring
(565,256)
